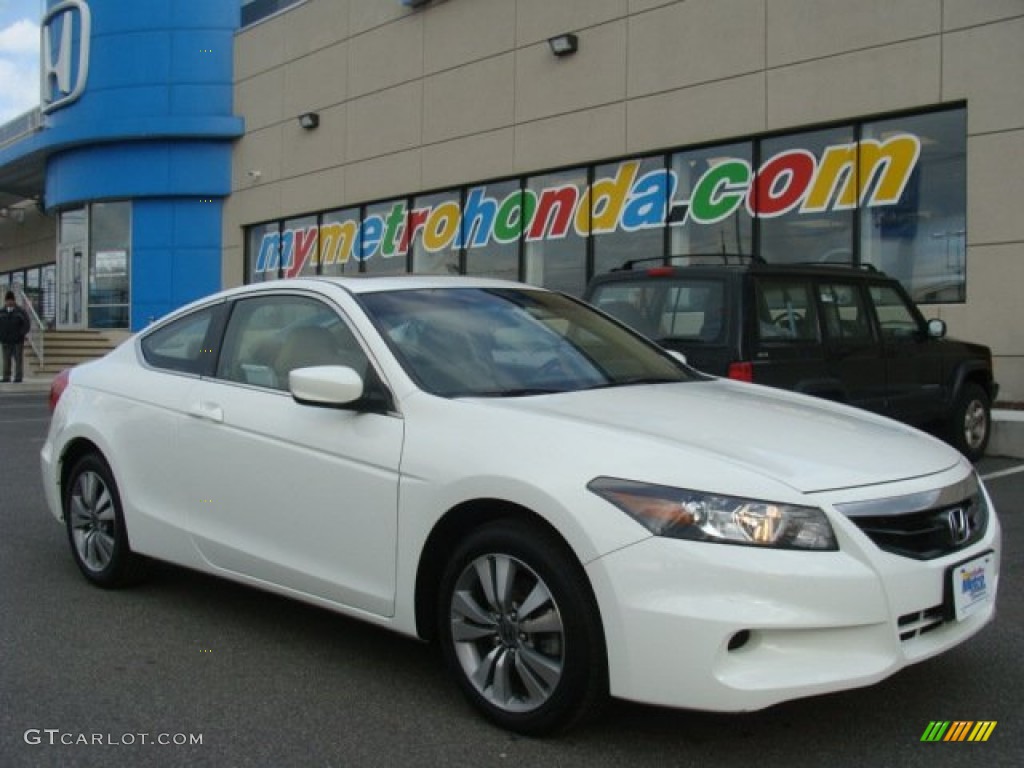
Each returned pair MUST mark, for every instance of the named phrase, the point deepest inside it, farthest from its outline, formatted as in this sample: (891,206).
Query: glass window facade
(109,288)
(888,192)
(255,10)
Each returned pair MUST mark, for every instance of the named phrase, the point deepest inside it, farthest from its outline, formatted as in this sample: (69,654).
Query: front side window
(184,345)
(896,319)
(269,336)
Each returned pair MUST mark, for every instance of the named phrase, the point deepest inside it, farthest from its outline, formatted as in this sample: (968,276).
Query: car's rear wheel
(520,630)
(95,524)
(971,421)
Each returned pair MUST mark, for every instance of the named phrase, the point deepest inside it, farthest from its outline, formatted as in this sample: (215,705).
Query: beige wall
(466,90)
(28,242)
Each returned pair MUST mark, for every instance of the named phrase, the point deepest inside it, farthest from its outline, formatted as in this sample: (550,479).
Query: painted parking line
(24,421)
(1003,473)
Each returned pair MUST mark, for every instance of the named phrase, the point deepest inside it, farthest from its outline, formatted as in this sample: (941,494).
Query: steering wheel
(785,319)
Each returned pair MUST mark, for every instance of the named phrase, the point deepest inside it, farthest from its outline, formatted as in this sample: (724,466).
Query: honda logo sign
(63,74)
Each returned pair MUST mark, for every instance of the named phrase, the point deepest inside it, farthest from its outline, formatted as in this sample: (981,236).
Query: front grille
(928,534)
(920,622)
(924,526)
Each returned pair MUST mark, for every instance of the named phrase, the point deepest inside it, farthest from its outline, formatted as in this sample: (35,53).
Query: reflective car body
(732,543)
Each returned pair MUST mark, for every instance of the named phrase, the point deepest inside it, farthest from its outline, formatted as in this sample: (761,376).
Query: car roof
(362,284)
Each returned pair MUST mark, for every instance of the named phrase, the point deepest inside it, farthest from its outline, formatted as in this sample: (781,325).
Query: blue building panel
(177,254)
(153,125)
(139,170)
(201,55)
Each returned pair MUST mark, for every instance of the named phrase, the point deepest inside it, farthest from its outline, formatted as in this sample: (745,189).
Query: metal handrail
(34,339)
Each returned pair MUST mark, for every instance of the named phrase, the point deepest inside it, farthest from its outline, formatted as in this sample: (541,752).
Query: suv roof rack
(865,266)
(706,258)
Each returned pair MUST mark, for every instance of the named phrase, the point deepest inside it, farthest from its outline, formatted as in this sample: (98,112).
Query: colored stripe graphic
(935,731)
(959,730)
(982,730)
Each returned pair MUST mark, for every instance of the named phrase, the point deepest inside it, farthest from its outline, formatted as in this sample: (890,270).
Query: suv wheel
(971,421)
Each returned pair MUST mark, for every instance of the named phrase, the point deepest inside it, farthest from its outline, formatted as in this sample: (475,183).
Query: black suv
(842,333)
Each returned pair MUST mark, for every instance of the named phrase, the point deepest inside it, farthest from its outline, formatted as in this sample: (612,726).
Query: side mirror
(936,328)
(325,385)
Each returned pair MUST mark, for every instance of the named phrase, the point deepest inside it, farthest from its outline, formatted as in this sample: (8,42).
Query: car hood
(806,443)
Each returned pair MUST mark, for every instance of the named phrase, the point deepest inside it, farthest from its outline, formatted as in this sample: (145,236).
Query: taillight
(57,387)
(741,371)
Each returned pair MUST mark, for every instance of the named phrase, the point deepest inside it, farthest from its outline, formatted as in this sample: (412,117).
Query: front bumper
(801,623)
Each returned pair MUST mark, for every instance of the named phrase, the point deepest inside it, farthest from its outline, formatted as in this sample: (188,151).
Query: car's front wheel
(971,421)
(520,630)
(95,524)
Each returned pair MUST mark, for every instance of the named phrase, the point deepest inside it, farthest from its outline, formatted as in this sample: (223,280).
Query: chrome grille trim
(915,502)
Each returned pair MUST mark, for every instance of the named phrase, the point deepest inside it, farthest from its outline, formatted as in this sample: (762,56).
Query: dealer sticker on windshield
(973,585)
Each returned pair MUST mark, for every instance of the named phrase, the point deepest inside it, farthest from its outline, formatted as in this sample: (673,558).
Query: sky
(19,56)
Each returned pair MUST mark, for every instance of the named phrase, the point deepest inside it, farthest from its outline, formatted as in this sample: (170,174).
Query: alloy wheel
(507,632)
(92,520)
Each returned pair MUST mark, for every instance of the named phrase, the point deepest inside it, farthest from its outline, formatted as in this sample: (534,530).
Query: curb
(1007,434)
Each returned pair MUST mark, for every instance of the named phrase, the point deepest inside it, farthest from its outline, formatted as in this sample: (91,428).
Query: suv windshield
(667,308)
(473,342)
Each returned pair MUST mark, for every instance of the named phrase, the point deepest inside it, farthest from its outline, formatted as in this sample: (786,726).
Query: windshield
(458,342)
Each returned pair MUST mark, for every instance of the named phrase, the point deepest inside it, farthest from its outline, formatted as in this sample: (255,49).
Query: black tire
(554,652)
(970,422)
(95,525)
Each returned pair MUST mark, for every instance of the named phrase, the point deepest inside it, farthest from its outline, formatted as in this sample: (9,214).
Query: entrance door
(71,286)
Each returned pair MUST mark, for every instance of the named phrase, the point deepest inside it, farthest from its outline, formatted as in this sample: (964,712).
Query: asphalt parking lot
(264,681)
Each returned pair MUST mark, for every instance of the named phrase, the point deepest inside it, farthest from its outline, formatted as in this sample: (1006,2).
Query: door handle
(207,410)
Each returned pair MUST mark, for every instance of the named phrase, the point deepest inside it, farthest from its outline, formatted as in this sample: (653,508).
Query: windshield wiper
(520,392)
(639,380)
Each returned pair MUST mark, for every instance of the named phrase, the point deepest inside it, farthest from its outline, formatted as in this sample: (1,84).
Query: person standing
(14,327)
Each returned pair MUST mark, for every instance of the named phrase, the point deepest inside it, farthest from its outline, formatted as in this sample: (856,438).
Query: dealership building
(184,147)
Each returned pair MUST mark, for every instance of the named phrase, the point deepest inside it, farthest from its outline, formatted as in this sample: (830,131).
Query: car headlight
(697,516)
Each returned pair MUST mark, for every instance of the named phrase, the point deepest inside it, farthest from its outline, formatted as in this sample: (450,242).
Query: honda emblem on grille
(959,525)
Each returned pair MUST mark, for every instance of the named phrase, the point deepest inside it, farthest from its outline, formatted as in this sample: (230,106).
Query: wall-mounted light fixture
(564,45)
(309,120)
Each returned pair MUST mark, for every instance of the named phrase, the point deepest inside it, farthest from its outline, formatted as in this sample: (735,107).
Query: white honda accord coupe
(567,509)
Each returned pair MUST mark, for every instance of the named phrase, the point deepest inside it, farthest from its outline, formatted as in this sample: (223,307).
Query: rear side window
(184,345)
(785,311)
(846,317)
(662,308)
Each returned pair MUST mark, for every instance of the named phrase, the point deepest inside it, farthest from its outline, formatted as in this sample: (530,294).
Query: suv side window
(185,344)
(694,309)
(895,318)
(785,311)
(269,336)
(846,317)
